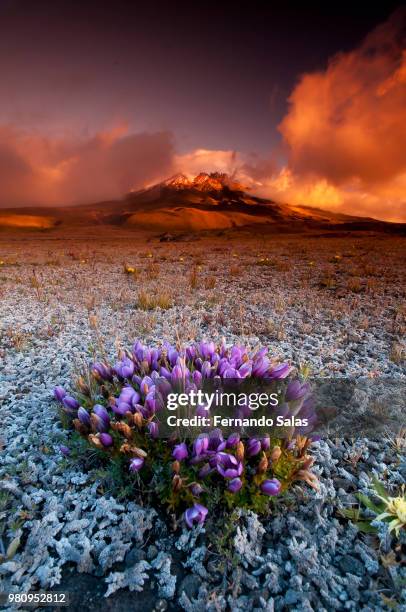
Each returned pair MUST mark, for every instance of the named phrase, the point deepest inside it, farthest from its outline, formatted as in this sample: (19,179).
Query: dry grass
(355,285)
(150,301)
(210,282)
(152,271)
(194,279)
(397,353)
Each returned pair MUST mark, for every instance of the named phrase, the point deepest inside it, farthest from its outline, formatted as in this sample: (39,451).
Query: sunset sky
(304,105)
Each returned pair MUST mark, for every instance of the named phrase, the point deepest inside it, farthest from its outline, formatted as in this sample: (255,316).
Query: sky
(306,105)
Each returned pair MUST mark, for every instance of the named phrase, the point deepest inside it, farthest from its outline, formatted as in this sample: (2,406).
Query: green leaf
(379,488)
(368,503)
(365,527)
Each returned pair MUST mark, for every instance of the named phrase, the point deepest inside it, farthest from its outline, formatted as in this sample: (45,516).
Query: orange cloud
(345,129)
(35,170)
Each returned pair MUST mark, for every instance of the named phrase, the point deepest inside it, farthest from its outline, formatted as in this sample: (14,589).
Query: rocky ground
(332,304)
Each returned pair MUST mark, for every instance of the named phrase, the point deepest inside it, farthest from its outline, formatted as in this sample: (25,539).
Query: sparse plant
(391,510)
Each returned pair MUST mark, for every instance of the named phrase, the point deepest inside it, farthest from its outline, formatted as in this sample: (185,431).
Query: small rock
(190,585)
(291,597)
(161,605)
(152,552)
(134,555)
(351,565)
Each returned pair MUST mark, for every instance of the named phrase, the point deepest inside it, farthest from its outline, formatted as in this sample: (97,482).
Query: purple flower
(172,356)
(216,442)
(197,378)
(127,393)
(266,443)
(206,349)
(138,350)
(206,369)
(124,368)
(271,487)
(231,373)
(253,447)
(145,384)
(245,370)
(280,371)
(200,445)
(102,414)
(59,393)
(260,366)
(136,464)
(70,403)
(83,416)
(121,408)
(165,373)
(296,390)
(190,353)
(180,452)
(195,515)
(233,440)
(228,466)
(65,451)
(101,370)
(153,429)
(234,485)
(106,439)
(150,402)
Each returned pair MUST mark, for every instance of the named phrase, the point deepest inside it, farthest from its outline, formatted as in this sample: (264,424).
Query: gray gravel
(58,309)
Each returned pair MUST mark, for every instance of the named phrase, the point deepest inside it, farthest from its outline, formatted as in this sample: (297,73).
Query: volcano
(206,202)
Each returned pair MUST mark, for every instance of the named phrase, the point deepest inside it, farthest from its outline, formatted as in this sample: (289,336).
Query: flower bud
(263,464)
(83,387)
(59,393)
(307,463)
(308,477)
(94,439)
(271,487)
(240,451)
(176,483)
(124,429)
(138,420)
(276,453)
(106,439)
(180,452)
(84,416)
(176,467)
(234,485)
(136,464)
(80,427)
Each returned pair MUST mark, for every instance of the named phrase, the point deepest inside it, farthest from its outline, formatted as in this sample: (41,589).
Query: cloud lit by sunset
(334,140)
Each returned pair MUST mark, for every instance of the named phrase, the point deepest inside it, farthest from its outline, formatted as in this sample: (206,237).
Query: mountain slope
(206,202)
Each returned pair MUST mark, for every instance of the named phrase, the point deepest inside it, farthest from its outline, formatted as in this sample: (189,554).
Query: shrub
(117,412)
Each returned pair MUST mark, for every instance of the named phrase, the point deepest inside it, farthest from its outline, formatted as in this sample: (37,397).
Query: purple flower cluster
(144,377)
